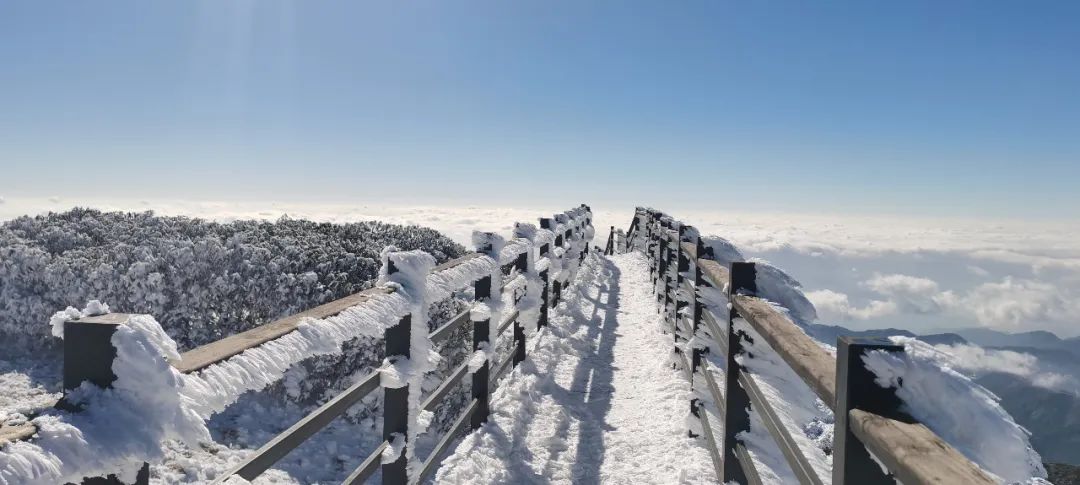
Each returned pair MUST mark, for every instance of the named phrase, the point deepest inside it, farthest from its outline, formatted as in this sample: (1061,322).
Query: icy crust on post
(530,303)
(490,245)
(119,428)
(932,392)
(410,280)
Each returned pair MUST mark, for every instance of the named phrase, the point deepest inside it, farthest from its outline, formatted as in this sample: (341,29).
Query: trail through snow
(596,401)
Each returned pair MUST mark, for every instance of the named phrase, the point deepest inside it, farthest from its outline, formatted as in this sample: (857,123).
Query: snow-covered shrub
(202,280)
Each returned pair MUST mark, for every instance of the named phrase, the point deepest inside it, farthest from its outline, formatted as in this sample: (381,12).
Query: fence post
(737,402)
(696,354)
(662,269)
(545,251)
(88,357)
(481,337)
(522,264)
(397,340)
(856,389)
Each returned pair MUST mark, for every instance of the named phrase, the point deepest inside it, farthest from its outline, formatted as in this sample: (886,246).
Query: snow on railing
(127,389)
(899,413)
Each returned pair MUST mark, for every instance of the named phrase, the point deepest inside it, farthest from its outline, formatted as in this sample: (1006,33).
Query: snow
(961,412)
(117,429)
(585,407)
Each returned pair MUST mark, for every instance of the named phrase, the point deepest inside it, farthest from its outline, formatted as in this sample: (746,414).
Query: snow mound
(118,428)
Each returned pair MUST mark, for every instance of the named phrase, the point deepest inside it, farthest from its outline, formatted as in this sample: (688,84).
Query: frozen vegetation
(202,280)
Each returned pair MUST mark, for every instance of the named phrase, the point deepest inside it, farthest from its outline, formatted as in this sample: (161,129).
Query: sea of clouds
(919,274)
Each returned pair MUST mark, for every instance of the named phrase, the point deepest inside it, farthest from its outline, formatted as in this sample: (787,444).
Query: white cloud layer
(915,273)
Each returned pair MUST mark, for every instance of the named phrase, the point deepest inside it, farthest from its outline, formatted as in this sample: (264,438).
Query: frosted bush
(202,280)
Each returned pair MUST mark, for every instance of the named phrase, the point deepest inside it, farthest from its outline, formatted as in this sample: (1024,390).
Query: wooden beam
(913,453)
(714,272)
(813,364)
(19,432)
(214,352)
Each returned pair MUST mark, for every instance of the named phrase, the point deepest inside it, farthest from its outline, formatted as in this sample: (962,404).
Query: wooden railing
(869,423)
(88,355)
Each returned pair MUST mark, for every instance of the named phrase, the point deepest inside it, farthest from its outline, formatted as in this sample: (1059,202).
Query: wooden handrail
(201,357)
(914,453)
(810,361)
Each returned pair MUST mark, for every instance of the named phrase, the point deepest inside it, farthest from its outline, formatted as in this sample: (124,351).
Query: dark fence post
(481,335)
(856,389)
(397,340)
(519,330)
(697,309)
(737,402)
(681,264)
(88,357)
(545,251)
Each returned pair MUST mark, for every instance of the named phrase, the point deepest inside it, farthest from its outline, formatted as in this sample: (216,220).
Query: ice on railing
(254,369)
(491,309)
(530,303)
(961,412)
(116,429)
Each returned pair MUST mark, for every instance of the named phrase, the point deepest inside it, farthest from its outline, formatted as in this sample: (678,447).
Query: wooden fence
(869,423)
(89,354)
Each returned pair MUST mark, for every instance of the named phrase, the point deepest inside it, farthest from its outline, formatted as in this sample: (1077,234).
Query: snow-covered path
(596,400)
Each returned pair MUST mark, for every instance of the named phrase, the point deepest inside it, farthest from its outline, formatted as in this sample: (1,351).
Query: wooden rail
(868,417)
(91,359)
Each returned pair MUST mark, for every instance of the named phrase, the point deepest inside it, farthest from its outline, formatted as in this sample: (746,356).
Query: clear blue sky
(954,108)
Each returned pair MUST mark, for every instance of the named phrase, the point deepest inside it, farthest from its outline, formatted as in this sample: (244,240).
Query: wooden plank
(800,465)
(452,380)
(368,467)
(444,443)
(456,261)
(690,249)
(713,326)
(913,453)
(718,397)
(19,432)
(813,364)
(714,272)
(269,454)
(444,332)
(747,464)
(506,323)
(214,352)
(502,369)
(710,444)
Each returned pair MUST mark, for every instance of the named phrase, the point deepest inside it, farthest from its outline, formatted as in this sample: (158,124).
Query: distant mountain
(1052,417)
(829,334)
(1038,339)
(942,339)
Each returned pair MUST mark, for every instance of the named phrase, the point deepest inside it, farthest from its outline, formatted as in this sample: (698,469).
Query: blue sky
(922,108)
